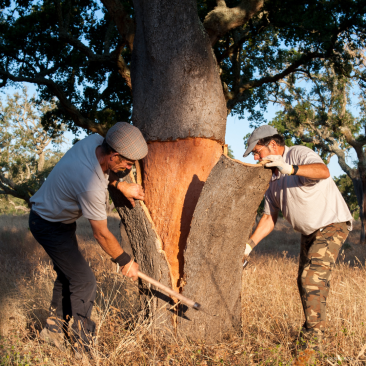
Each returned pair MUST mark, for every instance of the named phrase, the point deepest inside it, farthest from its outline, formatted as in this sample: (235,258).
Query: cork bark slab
(147,249)
(221,225)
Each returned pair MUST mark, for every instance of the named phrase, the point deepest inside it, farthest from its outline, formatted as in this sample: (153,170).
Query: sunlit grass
(272,314)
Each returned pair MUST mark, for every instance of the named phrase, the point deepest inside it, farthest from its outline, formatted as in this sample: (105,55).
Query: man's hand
(248,248)
(132,191)
(278,162)
(130,270)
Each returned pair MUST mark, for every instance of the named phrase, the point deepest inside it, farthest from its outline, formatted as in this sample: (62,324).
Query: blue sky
(235,131)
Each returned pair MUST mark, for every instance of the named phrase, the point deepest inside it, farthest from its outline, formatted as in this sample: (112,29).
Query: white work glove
(278,162)
(248,248)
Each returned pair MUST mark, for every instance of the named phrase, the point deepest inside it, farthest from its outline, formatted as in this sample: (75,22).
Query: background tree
(25,160)
(345,186)
(187,64)
(80,51)
(318,116)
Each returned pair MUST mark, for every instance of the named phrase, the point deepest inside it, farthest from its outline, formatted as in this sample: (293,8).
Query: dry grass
(272,313)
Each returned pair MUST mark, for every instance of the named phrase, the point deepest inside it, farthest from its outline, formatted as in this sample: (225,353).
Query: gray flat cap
(259,133)
(127,140)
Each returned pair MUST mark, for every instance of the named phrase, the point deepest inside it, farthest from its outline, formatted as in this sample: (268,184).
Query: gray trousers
(75,286)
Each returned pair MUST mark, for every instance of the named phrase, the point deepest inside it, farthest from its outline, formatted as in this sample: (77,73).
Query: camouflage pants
(319,252)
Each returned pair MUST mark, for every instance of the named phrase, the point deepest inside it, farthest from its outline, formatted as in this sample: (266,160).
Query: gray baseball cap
(259,133)
(127,140)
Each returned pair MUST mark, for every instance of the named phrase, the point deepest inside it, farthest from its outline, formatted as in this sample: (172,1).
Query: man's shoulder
(300,149)
(299,154)
(79,165)
(94,139)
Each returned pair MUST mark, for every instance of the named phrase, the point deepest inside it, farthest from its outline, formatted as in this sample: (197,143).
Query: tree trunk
(41,161)
(359,186)
(363,217)
(180,108)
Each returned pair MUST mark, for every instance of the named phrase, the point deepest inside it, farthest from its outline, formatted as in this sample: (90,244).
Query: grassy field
(272,313)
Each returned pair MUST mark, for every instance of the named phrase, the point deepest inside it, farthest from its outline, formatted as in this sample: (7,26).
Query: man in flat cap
(301,187)
(78,186)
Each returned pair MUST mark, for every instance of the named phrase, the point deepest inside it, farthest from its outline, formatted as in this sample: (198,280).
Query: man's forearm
(313,171)
(109,244)
(265,226)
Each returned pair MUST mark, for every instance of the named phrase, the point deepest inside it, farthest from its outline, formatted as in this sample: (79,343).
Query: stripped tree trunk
(180,108)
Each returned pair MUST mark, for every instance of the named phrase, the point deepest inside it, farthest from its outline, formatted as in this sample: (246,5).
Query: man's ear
(112,156)
(273,146)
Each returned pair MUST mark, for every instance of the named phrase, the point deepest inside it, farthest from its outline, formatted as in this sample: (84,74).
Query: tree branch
(333,148)
(124,23)
(271,79)
(74,113)
(122,67)
(221,19)
(353,142)
(115,57)
(19,207)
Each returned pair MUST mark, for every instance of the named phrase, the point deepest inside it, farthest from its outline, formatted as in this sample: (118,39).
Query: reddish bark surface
(172,194)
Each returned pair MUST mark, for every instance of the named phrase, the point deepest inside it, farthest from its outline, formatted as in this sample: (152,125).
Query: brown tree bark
(140,239)
(221,225)
(180,108)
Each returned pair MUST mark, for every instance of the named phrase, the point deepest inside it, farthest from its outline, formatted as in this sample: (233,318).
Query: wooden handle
(169,291)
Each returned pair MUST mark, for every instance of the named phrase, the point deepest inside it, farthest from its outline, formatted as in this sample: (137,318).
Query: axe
(180,297)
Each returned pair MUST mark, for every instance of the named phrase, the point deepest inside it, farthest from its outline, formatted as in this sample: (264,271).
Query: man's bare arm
(265,226)
(110,245)
(314,171)
(131,191)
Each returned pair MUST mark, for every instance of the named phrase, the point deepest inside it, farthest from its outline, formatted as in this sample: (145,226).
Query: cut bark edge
(187,138)
(158,242)
(259,165)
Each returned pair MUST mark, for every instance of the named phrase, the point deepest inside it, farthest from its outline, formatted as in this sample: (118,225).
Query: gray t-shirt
(306,204)
(76,186)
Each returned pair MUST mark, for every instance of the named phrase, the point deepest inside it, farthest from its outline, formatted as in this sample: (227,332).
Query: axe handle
(169,291)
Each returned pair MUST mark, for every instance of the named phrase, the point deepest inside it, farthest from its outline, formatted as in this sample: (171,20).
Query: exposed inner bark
(173,184)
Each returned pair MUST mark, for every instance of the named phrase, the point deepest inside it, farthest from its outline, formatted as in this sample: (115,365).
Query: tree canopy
(317,113)
(25,160)
(345,186)
(80,51)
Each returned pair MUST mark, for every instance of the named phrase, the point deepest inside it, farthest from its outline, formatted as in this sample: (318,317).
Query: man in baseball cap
(302,189)
(258,134)
(77,186)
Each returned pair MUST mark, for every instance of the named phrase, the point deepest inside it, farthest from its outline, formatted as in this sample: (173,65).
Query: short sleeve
(303,156)
(93,204)
(269,207)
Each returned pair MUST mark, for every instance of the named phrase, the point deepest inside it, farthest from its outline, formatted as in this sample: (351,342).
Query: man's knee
(84,285)
(315,275)
(90,282)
